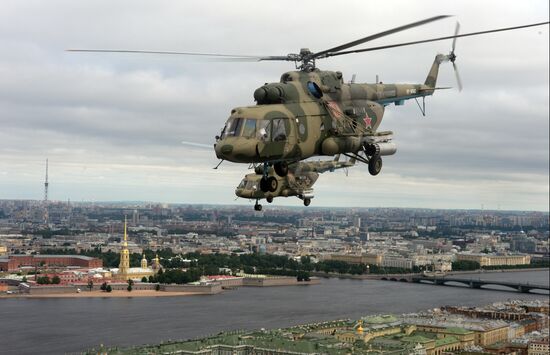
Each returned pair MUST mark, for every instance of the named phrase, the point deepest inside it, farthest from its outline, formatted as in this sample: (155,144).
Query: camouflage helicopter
(312,112)
(298,182)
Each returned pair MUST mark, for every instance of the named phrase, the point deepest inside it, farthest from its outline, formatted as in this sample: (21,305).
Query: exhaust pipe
(380,149)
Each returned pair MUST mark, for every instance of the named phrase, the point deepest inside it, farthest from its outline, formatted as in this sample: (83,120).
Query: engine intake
(275,93)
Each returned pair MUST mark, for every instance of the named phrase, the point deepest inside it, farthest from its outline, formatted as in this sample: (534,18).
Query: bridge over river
(470,282)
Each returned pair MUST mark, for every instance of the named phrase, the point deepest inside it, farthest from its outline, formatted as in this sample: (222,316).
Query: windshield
(249,130)
(235,125)
(232,127)
(242,184)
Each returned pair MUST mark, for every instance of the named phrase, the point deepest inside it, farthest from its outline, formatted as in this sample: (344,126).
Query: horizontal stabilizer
(441,88)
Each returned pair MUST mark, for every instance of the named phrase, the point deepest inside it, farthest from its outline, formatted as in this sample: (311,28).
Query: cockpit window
(234,126)
(251,185)
(264,130)
(242,184)
(274,130)
(249,129)
(279,129)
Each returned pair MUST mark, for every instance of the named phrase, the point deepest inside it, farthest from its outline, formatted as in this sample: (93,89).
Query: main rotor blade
(228,57)
(331,51)
(219,57)
(198,145)
(457,28)
(437,39)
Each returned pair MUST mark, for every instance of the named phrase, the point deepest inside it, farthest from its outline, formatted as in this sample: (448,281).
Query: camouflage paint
(339,110)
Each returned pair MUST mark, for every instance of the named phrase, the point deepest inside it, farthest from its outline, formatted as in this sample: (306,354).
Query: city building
(539,347)
(15,262)
(125,272)
(495,260)
(372,259)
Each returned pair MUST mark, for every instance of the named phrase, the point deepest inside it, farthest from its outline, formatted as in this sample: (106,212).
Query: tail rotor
(452,57)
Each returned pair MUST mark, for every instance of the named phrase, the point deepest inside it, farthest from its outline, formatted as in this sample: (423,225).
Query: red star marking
(368,121)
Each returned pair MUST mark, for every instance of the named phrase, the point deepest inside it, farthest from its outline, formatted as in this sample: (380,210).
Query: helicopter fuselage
(308,114)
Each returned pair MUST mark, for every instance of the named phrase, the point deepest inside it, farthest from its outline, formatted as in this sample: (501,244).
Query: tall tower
(124,265)
(46,215)
(46,185)
(144,262)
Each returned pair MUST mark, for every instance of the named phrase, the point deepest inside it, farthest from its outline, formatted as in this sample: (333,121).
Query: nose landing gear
(257,206)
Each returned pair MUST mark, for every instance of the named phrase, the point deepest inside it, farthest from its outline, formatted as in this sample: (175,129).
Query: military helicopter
(312,112)
(298,182)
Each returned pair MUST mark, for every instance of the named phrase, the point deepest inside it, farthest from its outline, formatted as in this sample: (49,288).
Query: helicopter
(312,112)
(298,182)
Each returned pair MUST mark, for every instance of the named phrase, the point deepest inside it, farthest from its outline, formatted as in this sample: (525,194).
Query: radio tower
(46,185)
(46,217)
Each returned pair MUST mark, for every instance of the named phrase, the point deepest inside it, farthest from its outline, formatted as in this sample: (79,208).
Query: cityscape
(512,327)
(67,250)
(274,177)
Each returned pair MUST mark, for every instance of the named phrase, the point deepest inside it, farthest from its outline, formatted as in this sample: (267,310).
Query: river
(72,325)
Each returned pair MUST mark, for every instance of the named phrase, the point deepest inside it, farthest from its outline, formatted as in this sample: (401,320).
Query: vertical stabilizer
(431,79)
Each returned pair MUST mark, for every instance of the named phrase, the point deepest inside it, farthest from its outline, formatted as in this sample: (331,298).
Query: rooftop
(83,257)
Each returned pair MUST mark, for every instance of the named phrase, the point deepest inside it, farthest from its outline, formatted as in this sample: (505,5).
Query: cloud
(111,125)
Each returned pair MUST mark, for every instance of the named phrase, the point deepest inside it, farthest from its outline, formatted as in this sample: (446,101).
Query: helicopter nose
(223,151)
(244,193)
(236,150)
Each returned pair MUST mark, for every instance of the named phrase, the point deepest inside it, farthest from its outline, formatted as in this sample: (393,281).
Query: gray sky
(111,124)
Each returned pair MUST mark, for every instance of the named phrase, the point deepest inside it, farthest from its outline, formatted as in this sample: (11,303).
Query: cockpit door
(277,138)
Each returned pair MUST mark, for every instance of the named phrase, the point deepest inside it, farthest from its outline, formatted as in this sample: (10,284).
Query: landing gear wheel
(257,207)
(272,184)
(375,165)
(264,185)
(269,199)
(307,201)
(281,168)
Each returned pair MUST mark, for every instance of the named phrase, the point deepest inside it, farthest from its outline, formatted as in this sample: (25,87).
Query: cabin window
(249,129)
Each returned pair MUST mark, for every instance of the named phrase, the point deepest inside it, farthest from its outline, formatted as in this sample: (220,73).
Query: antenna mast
(46,216)
(46,185)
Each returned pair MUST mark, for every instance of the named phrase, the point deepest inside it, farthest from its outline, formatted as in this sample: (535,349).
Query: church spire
(124,265)
(144,262)
(125,243)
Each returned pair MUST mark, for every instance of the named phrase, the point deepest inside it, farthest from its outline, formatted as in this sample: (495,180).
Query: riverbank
(150,290)
(103,294)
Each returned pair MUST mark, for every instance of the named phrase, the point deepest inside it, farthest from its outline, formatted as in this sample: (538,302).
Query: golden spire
(143,262)
(125,234)
(156,262)
(360,327)
(124,265)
